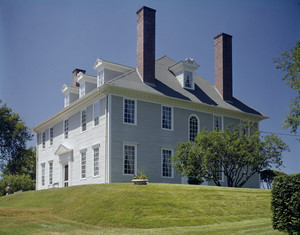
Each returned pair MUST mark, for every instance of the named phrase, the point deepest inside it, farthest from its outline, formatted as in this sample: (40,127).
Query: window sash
(83,120)
(44,139)
(66,128)
(83,165)
(51,136)
(129,111)
(166,163)
(218,123)
(188,79)
(166,117)
(193,128)
(43,174)
(96,161)
(129,159)
(96,113)
(50,172)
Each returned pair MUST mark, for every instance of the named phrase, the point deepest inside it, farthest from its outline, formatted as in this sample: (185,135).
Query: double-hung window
(193,127)
(51,172)
(83,164)
(96,161)
(83,120)
(129,159)
(43,174)
(167,118)
(66,128)
(44,139)
(129,111)
(218,123)
(96,113)
(167,170)
(51,136)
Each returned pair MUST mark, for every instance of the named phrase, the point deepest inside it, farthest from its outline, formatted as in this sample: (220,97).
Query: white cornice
(101,64)
(187,64)
(66,88)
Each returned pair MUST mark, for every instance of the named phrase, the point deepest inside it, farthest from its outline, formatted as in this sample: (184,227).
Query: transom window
(129,111)
(83,120)
(96,161)
(218,123)
(188,79)
(166,118)
(66,129)
(166,163)
(43,174)
(129,159)
(96,113)
(51,136)
(83,164)
(193,127)
(50,172)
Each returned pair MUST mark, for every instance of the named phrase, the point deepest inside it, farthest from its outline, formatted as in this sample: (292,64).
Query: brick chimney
(146,44)
(223,65)
(75,72)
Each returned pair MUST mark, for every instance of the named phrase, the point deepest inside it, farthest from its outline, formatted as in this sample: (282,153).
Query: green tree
(267,176)
(22,163)
(232,152)
(289,63)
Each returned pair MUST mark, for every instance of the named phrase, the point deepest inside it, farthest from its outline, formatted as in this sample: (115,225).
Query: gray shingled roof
(168,85)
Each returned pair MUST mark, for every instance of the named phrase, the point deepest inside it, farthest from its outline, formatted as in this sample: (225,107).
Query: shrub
(285,203)
(16,182)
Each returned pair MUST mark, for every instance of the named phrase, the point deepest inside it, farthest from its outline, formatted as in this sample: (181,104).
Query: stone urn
(140,181)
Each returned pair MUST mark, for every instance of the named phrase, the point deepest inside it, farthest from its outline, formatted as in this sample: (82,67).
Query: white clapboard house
(126,118)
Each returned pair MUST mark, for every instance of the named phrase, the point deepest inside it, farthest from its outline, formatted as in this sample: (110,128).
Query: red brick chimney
(223,65)
(75,72)
(146,44)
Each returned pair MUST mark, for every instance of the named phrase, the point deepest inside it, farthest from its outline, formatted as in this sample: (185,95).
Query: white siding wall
(77,141)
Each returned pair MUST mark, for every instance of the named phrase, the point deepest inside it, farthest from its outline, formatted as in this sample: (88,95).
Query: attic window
(188,80)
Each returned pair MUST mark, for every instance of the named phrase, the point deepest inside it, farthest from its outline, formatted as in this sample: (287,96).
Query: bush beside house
(285,203)
(16,183)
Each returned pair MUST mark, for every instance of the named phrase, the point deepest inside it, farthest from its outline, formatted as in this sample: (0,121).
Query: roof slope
(168,85)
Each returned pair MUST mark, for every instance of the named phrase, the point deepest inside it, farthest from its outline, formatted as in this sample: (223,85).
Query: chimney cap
(222,34)
(146,8)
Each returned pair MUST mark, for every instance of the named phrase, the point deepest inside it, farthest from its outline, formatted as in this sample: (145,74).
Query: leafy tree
(16,183)
(13,135)
(22,163)
(267,176)
(233,151)
(289,62)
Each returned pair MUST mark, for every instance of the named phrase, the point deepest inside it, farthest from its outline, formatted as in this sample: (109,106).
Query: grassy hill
(127,209)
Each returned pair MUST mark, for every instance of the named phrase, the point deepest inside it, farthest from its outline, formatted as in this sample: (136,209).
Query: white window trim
(172,169)
(135,111)
(85,109)
(98,101)
(83,151)
(172,118)
(189,129)
(135,157)
(222,118)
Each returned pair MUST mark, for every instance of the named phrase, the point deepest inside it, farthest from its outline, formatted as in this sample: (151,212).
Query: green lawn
(131,209)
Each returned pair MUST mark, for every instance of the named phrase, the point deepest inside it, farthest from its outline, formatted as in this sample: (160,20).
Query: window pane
(66,129)
(83,164)
(96,113)
(129,111)
(44,139)
(96,161)
(83,120)
(188,79)
(218,125)
(51,136)
(50,172)
(193,123)
(166,117)
(129,158)
(43,174)
(166,164)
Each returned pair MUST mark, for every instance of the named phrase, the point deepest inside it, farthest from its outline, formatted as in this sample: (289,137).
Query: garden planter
(140,181)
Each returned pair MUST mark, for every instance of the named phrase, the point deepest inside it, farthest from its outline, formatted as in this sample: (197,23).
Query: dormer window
(188,80)
(82,89)
(101,78)
(71,94)
(184,72)
(67,99)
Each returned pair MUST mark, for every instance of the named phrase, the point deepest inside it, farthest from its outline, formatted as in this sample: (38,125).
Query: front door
(66,175)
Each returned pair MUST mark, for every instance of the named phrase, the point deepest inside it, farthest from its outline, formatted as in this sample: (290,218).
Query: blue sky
(42,42)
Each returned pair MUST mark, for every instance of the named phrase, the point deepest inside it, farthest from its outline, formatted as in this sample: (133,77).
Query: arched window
(193,127)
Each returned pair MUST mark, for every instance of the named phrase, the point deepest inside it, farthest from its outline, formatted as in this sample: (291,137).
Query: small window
(43,174)
(51,136)
(129,111)
(101,78)
(129,159)
(50,172)
(67,99)
(44,139)
(166,118)
(83,164)
(218,123)
(83,120)
(66,129)
(193,127)
(82,89)
(96,113)
(188,79)
(96,161)
(166,163)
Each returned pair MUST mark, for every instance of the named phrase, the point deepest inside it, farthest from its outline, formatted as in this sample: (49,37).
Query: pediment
(63,149)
